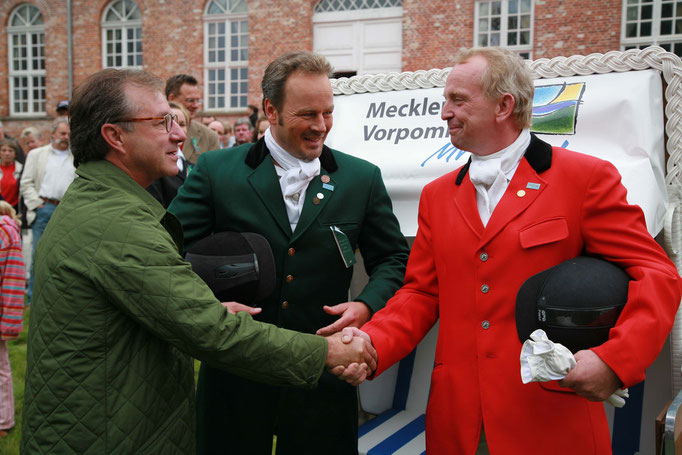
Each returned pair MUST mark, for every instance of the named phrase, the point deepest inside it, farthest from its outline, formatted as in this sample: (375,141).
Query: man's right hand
(353,359)
(355,373)
(236,307)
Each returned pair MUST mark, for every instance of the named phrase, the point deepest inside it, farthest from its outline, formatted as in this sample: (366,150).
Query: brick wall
(173,34)
(87,38)
(433,32)
(276,27)
(570,27)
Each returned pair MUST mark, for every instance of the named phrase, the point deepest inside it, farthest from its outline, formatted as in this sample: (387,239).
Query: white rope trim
(372,83)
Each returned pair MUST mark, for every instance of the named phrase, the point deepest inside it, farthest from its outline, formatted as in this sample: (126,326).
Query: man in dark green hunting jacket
(315,206)
(117,312)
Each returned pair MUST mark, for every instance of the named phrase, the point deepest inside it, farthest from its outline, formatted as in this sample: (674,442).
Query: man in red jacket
(518,207)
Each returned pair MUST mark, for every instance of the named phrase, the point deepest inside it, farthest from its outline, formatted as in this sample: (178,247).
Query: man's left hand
(591,378)
(353,314)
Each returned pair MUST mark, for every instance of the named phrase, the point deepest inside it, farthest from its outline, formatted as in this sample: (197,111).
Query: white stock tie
(490,183)
(491,174)
(295,178)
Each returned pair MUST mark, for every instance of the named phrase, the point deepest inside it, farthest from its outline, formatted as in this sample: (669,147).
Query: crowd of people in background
(34,175)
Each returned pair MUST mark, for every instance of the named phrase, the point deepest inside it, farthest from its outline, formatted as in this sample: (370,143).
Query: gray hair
(30,131)
(506,73)
(279,70)
(56,124)
(243,121)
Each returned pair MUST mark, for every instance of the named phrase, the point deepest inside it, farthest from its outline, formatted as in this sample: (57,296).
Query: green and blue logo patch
(555,108)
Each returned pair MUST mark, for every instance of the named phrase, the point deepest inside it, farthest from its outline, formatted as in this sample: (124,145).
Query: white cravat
(491,174)
(294,179)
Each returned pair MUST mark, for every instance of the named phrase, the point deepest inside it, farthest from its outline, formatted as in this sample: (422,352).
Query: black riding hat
(576,302)
(236,266)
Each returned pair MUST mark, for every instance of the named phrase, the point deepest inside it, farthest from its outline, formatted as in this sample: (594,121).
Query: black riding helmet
(576,302)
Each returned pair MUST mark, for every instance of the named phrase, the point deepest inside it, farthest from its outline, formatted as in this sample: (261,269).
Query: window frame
(29,32)
(655,39)
(227,65)
(321,8)
(525,50)
(123,26)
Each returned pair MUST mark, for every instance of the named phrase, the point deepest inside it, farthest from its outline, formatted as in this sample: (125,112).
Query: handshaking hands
(351,355)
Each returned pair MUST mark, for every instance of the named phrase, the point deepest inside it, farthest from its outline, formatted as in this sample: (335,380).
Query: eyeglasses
(193,100)
(168,120)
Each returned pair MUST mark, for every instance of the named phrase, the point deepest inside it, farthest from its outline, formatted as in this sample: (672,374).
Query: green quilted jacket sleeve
(139,268)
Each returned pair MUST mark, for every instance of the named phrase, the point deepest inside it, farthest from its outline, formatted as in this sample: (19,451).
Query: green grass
(17,359)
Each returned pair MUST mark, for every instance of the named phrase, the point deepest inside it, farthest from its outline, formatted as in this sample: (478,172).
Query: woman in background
(12,286)
(10,170)
(31,139)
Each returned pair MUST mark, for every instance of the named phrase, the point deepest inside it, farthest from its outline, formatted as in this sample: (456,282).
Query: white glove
(617,398)
(543,360)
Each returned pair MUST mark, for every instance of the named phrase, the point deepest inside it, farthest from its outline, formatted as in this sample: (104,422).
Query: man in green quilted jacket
(117,312)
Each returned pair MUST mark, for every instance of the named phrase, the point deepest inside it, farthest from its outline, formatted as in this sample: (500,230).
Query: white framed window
(505,23)
(648,22)
(26,42)
(226,55)
(122,35)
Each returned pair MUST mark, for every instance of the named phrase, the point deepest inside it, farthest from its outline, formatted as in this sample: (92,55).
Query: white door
(363,41)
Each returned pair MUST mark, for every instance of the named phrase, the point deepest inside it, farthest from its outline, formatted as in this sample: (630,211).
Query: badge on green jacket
(345,249)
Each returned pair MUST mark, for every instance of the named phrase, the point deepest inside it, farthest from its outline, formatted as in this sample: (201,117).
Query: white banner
(615,116)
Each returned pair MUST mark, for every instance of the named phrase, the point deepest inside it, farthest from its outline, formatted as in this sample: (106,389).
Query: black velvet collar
(538,154)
